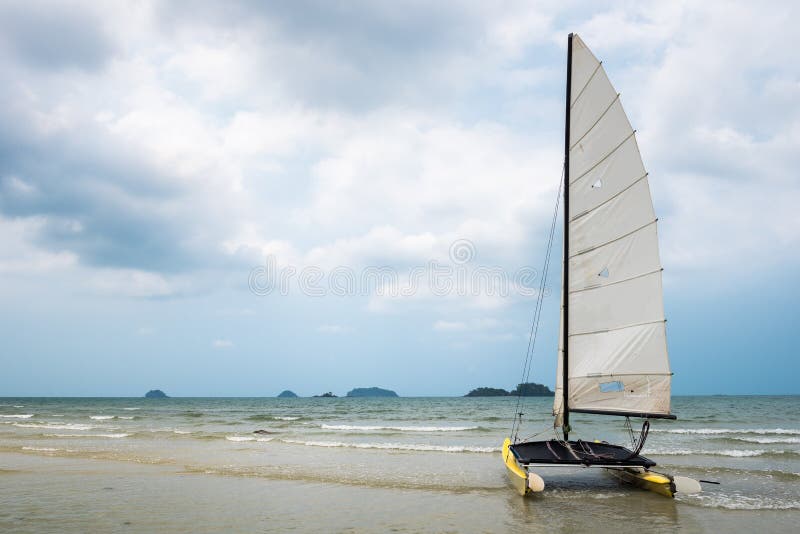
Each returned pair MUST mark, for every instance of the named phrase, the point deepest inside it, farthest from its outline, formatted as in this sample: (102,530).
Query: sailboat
(612,355)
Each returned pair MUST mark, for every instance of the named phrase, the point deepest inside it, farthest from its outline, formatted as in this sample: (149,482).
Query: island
(287,394)
(155,394)
(528,389)
(487,392)
(327,395)
(371,392)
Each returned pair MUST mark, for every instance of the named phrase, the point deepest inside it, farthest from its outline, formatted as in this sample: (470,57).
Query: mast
(565,278)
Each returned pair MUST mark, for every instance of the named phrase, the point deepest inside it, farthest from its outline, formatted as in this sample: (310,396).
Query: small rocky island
(155,394)
(371,392)
(327,395)
(528,389)
(287,394)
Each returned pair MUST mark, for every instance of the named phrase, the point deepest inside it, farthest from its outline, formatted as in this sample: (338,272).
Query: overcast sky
(160,160)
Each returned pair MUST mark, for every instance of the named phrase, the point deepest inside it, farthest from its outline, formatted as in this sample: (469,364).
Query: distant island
(487,392)
(326,395)
(528,389)
(371,392)
(287,394)
(155,394)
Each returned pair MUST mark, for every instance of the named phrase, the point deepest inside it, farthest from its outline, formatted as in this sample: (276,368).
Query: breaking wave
(713,431)
(393,446)
(734,453)
(246,438)
(762,441)
(744,502)
(115,436)
(368,428)
(52,426)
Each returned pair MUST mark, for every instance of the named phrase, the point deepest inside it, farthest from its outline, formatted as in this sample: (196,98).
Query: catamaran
(612,355)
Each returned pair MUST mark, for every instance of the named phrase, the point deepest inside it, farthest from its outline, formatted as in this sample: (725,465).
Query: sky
(236,198)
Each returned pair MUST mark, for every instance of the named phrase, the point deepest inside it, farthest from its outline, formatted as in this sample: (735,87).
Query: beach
(376,465)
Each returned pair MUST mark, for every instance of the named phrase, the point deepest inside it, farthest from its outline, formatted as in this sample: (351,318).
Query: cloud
(163,146)
(55,35)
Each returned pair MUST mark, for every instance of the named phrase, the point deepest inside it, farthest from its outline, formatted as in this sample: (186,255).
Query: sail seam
(595,247)
(601,160)
(585,212)
(618,328)
(616,99)
(599,64)
(598,286)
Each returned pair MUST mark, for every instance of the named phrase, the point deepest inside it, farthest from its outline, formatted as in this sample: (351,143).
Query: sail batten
(613,296)
(606,330)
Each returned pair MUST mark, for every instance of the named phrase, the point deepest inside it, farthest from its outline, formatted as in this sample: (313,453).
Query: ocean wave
(114,436)
(713,431)
(368,428)
(247,438)
(393,446)
(101,417)
(734,453)
(240,438)
(51,426)
(744,502)
(762,441)
(18,416)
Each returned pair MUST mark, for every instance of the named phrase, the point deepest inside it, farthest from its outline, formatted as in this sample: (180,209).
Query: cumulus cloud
(156,145)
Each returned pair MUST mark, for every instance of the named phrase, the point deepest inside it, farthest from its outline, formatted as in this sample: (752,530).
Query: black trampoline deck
(578,453)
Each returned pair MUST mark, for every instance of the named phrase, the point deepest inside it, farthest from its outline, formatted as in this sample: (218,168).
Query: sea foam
(734,453)
(394,446)
(52,426)
(373,428)
(712,431)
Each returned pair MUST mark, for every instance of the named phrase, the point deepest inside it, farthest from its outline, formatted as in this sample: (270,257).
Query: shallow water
(376,465)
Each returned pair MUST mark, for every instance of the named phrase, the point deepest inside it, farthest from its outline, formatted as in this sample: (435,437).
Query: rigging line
(528,364)
(537,313)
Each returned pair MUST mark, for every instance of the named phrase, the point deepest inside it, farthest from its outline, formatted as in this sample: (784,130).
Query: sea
(379,465)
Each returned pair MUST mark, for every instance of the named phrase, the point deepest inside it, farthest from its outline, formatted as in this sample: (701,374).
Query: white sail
(617,352)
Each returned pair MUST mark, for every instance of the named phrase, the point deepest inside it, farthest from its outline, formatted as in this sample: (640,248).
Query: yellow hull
(649,480)
(523,481)
(517,475)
